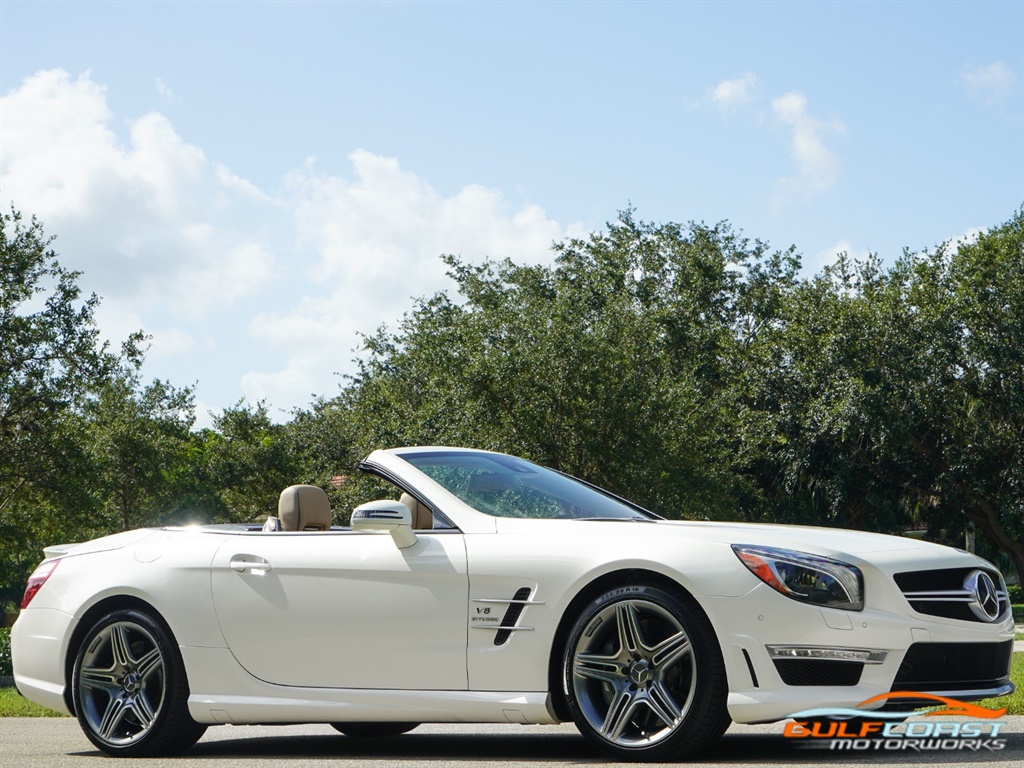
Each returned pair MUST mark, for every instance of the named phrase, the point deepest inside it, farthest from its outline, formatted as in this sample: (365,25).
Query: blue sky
(254,183)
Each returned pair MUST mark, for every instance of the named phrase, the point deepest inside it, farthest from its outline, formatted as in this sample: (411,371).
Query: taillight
(37,579)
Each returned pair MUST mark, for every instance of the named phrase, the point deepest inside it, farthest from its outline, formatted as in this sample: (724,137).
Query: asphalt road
(58,743)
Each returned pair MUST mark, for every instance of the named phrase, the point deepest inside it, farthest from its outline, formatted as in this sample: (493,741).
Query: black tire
(644,677)
(373,730)
(130,689)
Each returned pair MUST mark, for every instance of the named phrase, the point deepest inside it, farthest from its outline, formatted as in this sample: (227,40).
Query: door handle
(243,563)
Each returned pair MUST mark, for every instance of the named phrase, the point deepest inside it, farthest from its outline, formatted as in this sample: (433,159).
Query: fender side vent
(750,668)
(511,616)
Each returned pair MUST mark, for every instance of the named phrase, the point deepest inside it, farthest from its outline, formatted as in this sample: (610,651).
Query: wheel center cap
(640,672)
(131,682)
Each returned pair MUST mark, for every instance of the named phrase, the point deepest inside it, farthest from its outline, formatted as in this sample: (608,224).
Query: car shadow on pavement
(558,748)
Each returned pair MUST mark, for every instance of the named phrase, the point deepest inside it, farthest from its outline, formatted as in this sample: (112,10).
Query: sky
(256,184)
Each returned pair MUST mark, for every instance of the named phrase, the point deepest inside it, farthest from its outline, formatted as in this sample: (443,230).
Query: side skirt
(222,692)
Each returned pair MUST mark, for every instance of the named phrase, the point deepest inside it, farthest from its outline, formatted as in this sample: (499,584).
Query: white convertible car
(495,590)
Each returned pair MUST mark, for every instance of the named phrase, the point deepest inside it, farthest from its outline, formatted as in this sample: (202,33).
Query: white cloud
(120,321)
(171,343)
(828,256)
(205,413)
(965,238)
(165,235)
(165,92)
(144,212)
(817,167)
(991,85)
(377,241)
(730,94)
(237,184)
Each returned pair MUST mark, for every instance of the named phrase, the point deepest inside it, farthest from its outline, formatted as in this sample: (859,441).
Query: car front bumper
(886,652)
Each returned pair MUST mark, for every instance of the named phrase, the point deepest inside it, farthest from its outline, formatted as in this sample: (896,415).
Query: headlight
(806,578)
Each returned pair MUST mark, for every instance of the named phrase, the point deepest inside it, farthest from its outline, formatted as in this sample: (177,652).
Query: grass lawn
(13,704)
(1015,702)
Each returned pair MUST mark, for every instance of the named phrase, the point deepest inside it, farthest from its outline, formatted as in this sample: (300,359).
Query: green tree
(137,439)
(51,362)
(51,357)
(614,364)
(884,399)
(249,460)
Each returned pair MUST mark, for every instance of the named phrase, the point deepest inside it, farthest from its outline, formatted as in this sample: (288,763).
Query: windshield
(505,486)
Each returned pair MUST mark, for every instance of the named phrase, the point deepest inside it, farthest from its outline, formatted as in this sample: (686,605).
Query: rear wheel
(373,730)
(130,688)
(644,675)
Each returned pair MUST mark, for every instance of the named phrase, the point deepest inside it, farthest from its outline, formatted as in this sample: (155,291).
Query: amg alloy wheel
(644,675)
(130,688)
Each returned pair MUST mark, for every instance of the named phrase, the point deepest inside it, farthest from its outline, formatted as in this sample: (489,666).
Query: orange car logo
(952,706)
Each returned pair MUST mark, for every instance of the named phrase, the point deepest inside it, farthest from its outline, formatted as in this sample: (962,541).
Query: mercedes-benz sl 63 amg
(490,589)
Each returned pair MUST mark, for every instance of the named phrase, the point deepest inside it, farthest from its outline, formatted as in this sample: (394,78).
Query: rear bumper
(39,642)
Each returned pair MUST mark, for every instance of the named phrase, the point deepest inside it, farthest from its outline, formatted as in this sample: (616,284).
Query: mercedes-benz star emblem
(640,673)
(985,603)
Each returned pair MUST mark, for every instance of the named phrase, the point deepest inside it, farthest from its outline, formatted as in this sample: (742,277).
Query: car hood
(857,547)
(820,540)
(840,543)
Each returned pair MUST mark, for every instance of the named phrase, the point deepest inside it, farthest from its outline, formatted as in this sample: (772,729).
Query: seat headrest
(304,508)
(422,517)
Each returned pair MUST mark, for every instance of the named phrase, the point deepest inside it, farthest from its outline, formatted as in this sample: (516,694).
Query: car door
(345,610)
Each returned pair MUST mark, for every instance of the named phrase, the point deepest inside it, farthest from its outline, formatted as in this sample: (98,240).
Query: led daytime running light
(862,655)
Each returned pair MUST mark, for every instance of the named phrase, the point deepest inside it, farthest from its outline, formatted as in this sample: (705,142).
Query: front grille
(818,671)
(941,593)
(954,666)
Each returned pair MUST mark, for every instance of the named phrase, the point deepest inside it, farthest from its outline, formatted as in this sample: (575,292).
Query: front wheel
(130,688)
(644,675)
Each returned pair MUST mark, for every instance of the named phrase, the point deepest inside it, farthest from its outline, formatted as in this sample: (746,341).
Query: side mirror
(385,517)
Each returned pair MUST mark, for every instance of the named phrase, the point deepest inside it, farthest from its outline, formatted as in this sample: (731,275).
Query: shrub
(1016,593)
(5,652)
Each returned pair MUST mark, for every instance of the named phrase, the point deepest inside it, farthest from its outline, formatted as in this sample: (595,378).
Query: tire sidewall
(154,741)
(708,660)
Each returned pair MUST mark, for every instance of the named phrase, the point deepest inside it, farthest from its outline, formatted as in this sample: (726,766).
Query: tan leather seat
(422,517)
(304,508)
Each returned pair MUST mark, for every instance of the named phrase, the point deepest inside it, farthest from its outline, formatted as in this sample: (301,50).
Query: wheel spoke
(120,686)
(633,672)
(663,705)
(143,710)
(98,679)
(620,709)
(119,646)
(629,628)
(149,663)
(604,668)
(112,717)
(670,650)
